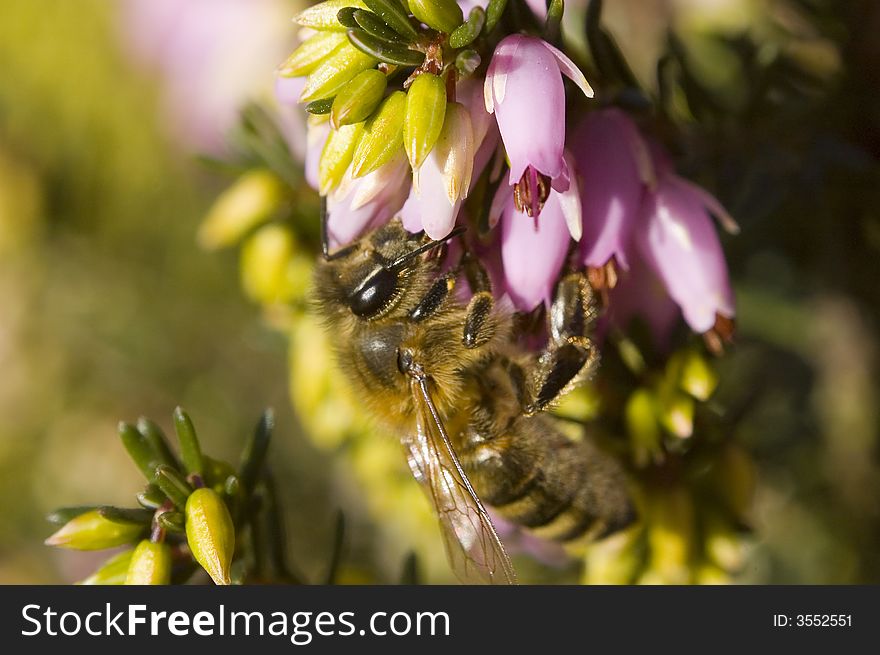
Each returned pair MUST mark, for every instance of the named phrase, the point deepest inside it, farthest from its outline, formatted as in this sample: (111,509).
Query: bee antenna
(403,259)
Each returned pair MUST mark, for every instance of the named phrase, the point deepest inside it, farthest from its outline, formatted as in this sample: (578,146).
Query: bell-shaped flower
(363,203)
(615,169)
(444,178)
(524,90)
(533,251)
(678,240)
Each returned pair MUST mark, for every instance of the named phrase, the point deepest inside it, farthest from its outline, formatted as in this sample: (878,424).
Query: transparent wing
(475,552)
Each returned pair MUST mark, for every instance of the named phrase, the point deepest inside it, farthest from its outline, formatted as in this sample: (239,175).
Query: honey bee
(467,401)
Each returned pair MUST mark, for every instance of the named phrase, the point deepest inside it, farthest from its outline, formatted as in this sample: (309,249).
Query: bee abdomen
(558,489)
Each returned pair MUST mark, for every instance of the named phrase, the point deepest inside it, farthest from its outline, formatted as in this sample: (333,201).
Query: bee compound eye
(374,293)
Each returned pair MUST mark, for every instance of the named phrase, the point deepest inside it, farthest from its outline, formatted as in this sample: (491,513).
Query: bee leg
(479,324)
(574,309)
(558,370)
(475,274)
(570,357)
(433,300)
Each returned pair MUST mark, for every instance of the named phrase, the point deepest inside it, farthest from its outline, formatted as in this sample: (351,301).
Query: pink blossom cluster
(603,197)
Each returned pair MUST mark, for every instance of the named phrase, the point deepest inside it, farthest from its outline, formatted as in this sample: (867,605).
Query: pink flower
(615,166)
(524,90)
(367,202)
(533,252)
(679,242)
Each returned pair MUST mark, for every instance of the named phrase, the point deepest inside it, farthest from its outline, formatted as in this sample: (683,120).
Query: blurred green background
(108,309)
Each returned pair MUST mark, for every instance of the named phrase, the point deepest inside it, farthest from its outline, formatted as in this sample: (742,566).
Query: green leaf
(254,454)
(63,515)
(190,450)
(151,497)
(131,516)
(467,33)
(494,11)
(139,449)
(172,485)
(390,53)
(375,26)
(156,439)
(171,521)
(395,17)
(319,107)
(346,17)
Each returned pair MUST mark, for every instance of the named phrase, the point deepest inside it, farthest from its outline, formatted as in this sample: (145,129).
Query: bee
(467,400)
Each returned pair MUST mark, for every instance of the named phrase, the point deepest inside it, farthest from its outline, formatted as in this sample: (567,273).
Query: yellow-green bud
(322,16)
(251,200)
(150,564)
(112,572)
(442,15)
(311,53)
(735,480)
(265,257)
(697,376)
(642,426)
(336,155)
(670,531)
(677,413)
(358,99)
(721,542)
(382,137)
(91,531)
(613,560)
(210,533)
(423,121)
(335,72)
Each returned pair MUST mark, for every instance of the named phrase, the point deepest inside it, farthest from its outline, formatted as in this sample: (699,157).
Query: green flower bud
(335,72)
(382,137)
(613,560)
(670,532)
(150,564)
(734,478)
(250,201)
(112,572)
(423,120)
(677,413)
(264,264)
(311,53)
(697,376)
(358,99)
(442,15)
(642,427)
(91,531)
(322,16)
(210,533)
(336,155)
(722,544)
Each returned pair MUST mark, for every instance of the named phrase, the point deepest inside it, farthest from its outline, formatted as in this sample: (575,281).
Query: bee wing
(475,552)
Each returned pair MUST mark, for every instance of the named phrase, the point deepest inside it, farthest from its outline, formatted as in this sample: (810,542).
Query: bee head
(370,276)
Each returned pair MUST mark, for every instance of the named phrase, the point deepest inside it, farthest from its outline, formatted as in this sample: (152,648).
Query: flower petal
(570,70)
